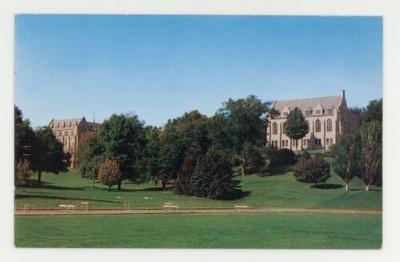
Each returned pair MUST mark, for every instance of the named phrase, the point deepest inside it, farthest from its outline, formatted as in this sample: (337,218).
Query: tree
(245,123)
(371,153)
(254,157)
(295,126)
(91,159)
(48,154)
(373,112)
(151,155)
(347,157)
(24,137)
(121,138)
(312,170)
(177,137)
(109,173)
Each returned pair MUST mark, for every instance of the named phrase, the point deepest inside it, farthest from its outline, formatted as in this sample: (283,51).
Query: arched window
(274,128)
(317,126)
(329,125)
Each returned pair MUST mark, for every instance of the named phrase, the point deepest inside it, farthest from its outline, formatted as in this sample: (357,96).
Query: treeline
(36,151)
(193,154)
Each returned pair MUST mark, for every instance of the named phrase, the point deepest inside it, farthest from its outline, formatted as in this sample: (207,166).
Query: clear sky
(159,67)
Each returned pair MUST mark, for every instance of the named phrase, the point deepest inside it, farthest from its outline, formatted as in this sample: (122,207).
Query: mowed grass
(260,191)
(273,230)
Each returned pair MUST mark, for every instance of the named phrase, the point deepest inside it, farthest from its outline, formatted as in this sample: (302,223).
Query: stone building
(323,115)
(73,134)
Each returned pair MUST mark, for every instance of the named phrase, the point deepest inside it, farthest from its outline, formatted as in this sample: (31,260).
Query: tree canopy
(295,126)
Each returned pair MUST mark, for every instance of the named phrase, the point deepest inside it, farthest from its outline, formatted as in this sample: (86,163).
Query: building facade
(323,115)
(73,134)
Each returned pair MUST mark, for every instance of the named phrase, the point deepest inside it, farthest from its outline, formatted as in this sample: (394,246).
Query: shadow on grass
(18,196)
(48,186)
(327,186)
(275,170)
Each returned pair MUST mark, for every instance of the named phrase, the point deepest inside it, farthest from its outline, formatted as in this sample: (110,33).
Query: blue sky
(162,66)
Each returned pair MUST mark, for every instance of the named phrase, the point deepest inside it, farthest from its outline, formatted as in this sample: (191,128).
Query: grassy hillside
(267,191)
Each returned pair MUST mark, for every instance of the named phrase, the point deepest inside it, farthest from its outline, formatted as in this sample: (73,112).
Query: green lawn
(268,191)
(285,230)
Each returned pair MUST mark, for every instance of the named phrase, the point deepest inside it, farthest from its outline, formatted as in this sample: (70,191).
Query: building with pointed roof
(323,115)
(73,134)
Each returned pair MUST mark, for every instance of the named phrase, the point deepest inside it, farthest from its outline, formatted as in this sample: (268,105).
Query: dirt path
(56,212)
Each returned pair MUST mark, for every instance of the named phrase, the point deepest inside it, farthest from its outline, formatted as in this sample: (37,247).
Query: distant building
(73,134)
(323,115)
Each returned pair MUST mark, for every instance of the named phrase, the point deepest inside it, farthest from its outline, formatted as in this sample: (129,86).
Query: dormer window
(318,112)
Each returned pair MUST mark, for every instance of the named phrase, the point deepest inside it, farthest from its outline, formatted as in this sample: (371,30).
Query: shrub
(312,170)
(213,177)
(109,173)
(281,157)
(22,172)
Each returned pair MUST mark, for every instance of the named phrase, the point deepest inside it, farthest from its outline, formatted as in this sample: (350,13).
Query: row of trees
(358,153)
(192,153)
(36,151)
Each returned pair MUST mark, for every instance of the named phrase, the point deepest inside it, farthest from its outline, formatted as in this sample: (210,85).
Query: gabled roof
(307,104)
(61,122)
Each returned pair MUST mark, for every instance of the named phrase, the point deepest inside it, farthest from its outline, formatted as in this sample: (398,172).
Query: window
(317,126)
(64,124)
(317,112)
(308,125)
(327,141)
(329,125)
(274,128)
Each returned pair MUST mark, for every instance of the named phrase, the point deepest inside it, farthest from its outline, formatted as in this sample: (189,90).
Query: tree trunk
(368,187)
(163,184)
(347,186)
(242,166)
(119,185)
(39,177)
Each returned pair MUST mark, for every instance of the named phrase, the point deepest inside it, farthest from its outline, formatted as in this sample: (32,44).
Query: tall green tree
(347,157)
(122,138)
(295,126)
(245,123)
(24,137)
(48,154)
(371,153)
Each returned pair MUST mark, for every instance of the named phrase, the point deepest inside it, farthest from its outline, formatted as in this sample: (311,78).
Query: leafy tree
(347,158)
(295,126)
(109,173)
(121,138)
(373,112)
(312,170)
(48,154)
(178,135)
(244,124)
(371,153)
(91,159)
(24,137)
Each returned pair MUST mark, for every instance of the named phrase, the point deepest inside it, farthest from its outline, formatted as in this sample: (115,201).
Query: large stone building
(73,134)
(323,115)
